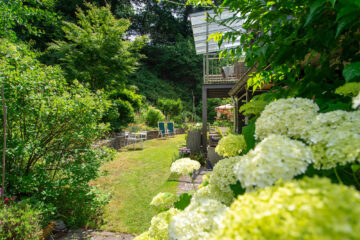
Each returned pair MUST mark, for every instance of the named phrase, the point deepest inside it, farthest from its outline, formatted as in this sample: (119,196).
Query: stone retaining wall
(118,142)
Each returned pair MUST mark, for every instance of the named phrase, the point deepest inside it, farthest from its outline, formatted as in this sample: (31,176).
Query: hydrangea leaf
(351,71)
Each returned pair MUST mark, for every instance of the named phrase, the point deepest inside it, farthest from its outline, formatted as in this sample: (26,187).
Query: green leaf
(332,2)
(351,71)
(345,22)
(248,132)
(183,202)
(314,10)
(237,189)
(355,167)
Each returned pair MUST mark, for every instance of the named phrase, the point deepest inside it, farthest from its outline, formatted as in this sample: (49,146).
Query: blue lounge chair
(170,128)
(162,130)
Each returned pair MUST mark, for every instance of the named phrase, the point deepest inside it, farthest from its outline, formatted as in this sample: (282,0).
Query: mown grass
(133,178)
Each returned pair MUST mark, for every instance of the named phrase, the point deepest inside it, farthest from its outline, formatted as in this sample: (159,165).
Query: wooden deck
(218,79)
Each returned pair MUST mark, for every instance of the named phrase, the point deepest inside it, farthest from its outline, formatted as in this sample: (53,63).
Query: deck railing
(218,72)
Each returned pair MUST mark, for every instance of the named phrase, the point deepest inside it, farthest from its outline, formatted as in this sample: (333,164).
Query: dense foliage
(51,127)
(170,107)
(19,221)
(95,51)
(304,47)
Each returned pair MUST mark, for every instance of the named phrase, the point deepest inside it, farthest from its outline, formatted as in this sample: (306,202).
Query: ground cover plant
(132,180)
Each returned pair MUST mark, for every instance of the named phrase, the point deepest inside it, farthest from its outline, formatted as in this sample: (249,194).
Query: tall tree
(96,51)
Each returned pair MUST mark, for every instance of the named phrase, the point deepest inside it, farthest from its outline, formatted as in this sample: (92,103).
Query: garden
(76,74)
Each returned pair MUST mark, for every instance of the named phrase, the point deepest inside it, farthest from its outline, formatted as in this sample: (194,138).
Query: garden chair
(162,130)
(170,128)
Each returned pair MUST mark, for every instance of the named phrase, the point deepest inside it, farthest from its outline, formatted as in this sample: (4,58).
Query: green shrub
(52,127)
(19,221)
(153,116)
(120,114)
(170,107)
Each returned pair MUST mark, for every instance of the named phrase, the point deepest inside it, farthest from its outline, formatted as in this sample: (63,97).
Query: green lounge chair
(170,128)
(162,130)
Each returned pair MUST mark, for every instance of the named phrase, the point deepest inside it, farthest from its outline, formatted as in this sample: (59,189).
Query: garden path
(185,184)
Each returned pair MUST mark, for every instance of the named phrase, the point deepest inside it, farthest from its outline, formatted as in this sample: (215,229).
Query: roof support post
(247,100)
(204,118)
(236,115)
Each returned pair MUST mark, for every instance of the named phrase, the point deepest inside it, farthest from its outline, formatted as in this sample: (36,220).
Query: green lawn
(133,178)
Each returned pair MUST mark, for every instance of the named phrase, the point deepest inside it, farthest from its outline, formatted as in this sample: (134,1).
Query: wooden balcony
(219,79)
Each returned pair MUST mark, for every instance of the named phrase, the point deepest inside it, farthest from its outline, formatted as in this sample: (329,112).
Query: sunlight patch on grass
(133,179)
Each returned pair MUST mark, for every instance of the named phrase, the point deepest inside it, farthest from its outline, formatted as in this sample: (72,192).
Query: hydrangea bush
(198,221)
(291,117)
(223,174)
(159,224)
(350,89)
(231,145)
(184,166)
(164,200)
(311,208)
(335,138)
(293,136)
(274,158)
(211,191)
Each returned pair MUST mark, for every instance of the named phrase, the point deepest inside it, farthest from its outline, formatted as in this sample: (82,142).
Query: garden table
(137,137)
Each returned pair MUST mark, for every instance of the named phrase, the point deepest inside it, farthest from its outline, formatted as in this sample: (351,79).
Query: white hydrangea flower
(199,221)
(290,117)
(231,145)
(223,174)
(184,166)
(211,191)
(276,157)
(335,138)
(164,200)
(159,224)
(356,101)
(144,236)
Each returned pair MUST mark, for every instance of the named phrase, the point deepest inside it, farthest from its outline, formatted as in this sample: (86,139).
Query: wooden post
(247,100)
(204,118)
(193,115)
(236,115)
(4,144)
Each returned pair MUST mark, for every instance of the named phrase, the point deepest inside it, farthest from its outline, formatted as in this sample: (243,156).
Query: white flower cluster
(163,200)
(356,101)
(276,157)
(184,166)
(335,138)
(290,117)
(211,191)
(231,145)
(199,221)
(223,174)
(144,236)
(159,224)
